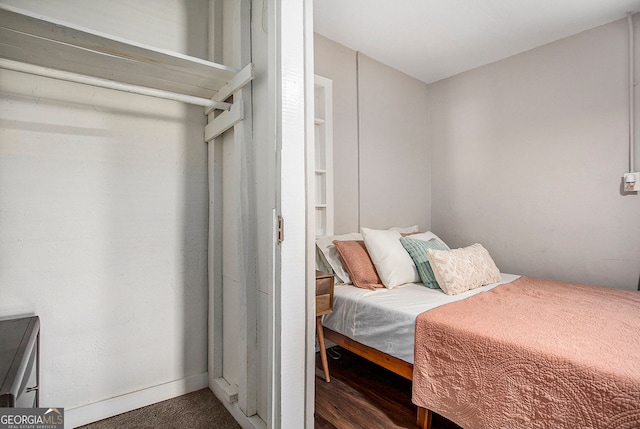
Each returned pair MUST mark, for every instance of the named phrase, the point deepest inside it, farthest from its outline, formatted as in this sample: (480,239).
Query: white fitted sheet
(385,318)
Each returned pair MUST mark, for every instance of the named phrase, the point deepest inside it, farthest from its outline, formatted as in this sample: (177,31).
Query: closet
(32,44)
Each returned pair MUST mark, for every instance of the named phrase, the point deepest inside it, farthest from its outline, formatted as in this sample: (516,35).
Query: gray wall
(528,155)
(395,164)
(382,168)
(338,63)
(524,155)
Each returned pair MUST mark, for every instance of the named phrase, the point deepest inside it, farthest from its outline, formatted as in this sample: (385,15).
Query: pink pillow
(357,262)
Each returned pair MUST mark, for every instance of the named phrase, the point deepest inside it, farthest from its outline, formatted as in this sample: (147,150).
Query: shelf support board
(224,121)
(242,78)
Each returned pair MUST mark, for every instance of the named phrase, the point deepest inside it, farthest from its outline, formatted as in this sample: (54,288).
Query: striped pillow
(418,251)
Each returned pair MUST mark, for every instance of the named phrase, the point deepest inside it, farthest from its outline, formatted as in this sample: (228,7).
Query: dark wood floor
(364,395)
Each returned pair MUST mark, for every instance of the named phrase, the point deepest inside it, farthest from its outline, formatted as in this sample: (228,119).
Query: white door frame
(293,353)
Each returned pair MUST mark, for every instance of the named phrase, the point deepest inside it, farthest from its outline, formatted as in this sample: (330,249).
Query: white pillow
(393,263)
(426,236)
(330,257)
(405,229)
(460,270)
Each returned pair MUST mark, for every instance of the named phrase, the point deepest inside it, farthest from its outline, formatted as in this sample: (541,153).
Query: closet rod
(110,84)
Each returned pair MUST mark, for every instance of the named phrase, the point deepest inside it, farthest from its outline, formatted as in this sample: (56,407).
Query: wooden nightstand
(324,305)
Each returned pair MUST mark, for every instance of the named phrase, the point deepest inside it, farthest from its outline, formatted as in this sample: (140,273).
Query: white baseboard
(225,393)
(90,413)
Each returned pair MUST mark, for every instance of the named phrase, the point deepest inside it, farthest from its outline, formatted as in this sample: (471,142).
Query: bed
(384,319)
(532,353)
(518,352)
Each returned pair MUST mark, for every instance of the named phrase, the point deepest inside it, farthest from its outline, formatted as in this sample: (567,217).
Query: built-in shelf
(29,38)
(323,104)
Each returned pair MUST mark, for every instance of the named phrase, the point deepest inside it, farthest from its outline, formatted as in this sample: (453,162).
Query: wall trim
(90,413)
(224,392)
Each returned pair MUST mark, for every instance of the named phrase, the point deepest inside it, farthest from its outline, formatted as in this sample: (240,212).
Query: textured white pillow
(393,264)
(460,270)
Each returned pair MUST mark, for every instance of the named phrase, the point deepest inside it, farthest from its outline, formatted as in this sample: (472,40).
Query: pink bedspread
(532,354)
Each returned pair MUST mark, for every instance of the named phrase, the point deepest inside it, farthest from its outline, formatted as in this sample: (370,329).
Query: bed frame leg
(424,418)
(323,350)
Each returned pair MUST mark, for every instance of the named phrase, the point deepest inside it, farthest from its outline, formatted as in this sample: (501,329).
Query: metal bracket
(280,229)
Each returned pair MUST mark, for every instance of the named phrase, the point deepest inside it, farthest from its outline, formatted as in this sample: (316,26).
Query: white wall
(528,155)
(380,141)
(103,215)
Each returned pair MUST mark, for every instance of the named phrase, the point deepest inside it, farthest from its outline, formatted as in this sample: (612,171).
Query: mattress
(384,319)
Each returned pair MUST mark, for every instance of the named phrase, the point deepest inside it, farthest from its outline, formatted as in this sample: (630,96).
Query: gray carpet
(197,410)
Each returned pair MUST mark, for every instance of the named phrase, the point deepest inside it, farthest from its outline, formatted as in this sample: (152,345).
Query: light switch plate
(631,182)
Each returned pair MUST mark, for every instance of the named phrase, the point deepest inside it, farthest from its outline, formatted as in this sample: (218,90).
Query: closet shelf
(47,43)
